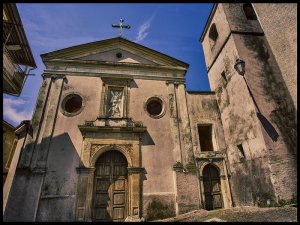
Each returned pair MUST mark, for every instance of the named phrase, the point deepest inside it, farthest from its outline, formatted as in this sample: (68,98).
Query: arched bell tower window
(213,35)
(249,11)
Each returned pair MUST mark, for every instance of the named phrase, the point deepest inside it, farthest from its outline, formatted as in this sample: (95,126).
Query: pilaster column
(36,122)
(50,120)
(84,194)
(186,136)
(135,176)
(172,103)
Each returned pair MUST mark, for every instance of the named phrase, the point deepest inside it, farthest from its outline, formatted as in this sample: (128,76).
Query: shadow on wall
(146,139)
(29,196)
(50,196)
(133,84)
(269,128)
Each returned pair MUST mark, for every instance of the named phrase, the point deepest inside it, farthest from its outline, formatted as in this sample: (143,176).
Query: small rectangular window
(223,77)
(205,137)
(241,153)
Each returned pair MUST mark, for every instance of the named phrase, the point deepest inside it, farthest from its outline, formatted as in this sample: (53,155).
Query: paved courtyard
(239,214)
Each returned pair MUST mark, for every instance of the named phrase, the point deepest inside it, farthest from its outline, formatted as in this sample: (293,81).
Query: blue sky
(173,29)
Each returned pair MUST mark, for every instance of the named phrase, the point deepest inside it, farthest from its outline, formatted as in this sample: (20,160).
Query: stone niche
(99,137)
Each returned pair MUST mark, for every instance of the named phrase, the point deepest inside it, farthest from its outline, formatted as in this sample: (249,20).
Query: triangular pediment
(115,50)
(116,55)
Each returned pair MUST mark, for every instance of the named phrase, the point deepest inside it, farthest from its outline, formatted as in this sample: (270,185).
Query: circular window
(119,55)
(154,106)
(72,105)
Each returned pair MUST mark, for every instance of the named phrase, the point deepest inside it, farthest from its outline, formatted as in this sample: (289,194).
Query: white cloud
(10,111)
(143,30)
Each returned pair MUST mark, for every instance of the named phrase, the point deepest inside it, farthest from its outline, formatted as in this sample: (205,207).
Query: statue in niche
(115,103)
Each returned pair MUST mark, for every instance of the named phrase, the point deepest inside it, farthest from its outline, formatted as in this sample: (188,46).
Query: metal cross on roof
(121,26)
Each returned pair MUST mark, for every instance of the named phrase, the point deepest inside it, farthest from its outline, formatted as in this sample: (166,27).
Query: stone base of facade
(134,219)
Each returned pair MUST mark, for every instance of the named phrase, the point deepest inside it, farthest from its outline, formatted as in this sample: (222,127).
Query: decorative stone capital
(134,170)
(178,167)
(191,167)
(82,169)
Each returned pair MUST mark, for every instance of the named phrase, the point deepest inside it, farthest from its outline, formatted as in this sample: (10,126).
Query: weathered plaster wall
(203,109)
(241,126)
(157,146)
(279,22)
(26,184)
(57,187)
(188,191)
(9,138)
(264,79)
(167,199)
(13,162)
(57,200)
(223,29)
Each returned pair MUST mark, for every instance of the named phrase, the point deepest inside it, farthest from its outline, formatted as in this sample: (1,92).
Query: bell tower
(257,110)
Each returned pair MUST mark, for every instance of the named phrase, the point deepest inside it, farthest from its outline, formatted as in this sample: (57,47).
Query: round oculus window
(155,107)
(119,55)
(72,104)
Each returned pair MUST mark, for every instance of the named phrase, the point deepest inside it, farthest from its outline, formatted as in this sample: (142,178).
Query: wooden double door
(212,188)
(110,187)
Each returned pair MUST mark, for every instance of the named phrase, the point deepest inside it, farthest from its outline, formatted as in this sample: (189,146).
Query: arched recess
(217,166)
(212,187)
(213,35)
(224,189)
(106,148)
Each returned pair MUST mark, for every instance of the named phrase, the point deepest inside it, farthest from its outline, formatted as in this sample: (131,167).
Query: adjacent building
(18,61)
(258,108)
(17,56)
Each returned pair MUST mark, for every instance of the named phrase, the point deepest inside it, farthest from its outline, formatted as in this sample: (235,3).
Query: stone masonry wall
(268,133)
(250,172)
(279,22)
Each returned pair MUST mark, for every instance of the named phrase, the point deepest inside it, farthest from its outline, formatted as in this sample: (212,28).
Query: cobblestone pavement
(239,214)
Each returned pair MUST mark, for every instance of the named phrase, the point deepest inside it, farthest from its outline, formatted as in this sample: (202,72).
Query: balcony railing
(13,75)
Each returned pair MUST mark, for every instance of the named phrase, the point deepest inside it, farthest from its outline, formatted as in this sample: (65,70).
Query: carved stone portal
(95,144)
(216,160)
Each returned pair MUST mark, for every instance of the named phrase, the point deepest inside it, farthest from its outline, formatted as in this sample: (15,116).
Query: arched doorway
(212,188)
(110,187)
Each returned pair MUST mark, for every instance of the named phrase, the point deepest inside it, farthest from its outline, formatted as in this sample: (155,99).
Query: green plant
(282,202)
(157,210)
(293,199)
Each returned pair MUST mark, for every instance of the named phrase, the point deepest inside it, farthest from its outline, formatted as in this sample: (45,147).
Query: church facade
(115,130)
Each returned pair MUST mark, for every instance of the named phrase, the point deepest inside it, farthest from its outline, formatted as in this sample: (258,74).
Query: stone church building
(115,129)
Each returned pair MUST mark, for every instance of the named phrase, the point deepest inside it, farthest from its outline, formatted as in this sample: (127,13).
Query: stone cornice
(93,63)
(124,80)
(48,73)
(99,129)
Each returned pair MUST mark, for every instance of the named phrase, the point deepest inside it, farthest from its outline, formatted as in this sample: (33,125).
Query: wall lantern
(240,66)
